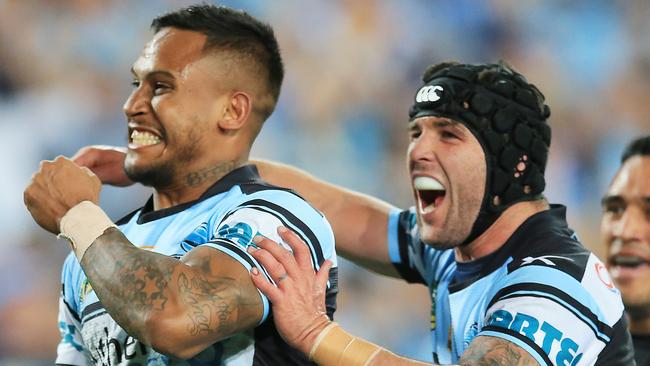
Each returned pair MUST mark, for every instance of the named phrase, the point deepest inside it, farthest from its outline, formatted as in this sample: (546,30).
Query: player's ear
(236,111)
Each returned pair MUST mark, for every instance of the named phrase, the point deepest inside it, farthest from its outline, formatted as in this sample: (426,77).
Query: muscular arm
(177,307)
(360,222)
(483,351)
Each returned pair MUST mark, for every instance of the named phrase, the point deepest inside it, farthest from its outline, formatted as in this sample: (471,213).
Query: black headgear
(507,115)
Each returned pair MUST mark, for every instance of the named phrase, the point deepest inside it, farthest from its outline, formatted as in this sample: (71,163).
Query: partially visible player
(625,229)
(169,284)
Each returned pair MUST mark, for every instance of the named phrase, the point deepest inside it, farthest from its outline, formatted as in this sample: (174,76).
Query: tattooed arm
(177,307)
(488,351)
(483,351)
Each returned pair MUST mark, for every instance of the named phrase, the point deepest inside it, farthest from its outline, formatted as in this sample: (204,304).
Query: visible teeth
(630,261)
(144,138)
(427,183)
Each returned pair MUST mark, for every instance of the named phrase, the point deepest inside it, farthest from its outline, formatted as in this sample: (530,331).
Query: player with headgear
(510,282)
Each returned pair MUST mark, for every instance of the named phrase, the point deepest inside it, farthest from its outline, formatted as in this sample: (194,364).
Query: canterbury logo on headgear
(428,94)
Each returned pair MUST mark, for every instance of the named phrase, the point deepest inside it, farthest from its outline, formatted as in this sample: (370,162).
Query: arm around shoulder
(359,221)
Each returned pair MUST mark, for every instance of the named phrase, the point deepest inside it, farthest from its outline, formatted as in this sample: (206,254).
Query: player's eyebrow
(154,73)
(611,199)
(450,123)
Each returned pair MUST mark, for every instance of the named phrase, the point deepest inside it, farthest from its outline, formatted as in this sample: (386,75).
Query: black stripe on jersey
(291,218)
(332,291)
(522,338)
(90,309)
(103,312)
(127,218)
(574,305)
(402,235)
(241,253)
(620,351)
(72,312)
(258,186)
(403,268)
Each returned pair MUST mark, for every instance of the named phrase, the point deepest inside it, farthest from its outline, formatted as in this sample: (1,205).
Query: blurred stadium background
(352,69)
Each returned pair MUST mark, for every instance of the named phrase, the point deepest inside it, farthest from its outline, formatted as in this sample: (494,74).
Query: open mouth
(143,138)
(430,193)
(627,261)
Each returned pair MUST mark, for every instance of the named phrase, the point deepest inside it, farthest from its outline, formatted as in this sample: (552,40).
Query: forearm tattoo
(489,351)
(134,285)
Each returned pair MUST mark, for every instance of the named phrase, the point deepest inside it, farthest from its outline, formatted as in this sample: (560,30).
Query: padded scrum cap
(508,117)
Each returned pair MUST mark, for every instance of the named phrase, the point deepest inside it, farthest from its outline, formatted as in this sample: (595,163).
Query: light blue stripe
(393,245)
(573,310)
(265,300)
(558,279)
(518,342)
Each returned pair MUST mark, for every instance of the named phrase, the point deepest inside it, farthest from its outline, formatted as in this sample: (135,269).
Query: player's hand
(107,162)
(57,187)
(299,299)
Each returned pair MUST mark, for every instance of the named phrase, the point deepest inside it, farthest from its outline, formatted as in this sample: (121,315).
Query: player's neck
(498,233)
(191,186)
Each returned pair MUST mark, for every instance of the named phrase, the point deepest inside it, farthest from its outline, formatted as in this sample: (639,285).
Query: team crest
(86,288)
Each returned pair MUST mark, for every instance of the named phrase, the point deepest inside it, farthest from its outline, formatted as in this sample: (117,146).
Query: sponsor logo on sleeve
(545,335)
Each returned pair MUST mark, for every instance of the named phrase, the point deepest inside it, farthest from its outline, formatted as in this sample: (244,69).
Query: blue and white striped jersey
(226,217)
(542,291)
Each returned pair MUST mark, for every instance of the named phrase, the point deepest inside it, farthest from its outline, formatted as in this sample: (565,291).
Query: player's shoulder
(562,269)
(264,195)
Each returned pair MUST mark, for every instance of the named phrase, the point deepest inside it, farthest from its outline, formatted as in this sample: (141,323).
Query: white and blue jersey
(542,290)
(226,217)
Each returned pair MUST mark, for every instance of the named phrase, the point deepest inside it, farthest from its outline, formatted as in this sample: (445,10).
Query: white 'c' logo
(428,94)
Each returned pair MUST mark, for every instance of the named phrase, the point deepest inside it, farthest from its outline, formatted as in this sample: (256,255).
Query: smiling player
(625,228)
(169,283)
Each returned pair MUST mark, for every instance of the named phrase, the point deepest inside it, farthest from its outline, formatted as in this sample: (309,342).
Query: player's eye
(135,83)
(614,208)
(414,133)
(160,88)
(448,135)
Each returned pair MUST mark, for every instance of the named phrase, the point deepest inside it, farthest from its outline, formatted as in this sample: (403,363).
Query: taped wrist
(82,224)
(334,347)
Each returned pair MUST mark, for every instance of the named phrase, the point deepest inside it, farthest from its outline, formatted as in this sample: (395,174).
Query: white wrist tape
(336,347)
(82,224)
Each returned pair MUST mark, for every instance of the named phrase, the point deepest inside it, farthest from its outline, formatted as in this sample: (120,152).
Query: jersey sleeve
(558,319)
(415,261)
(262,216)
(70,350)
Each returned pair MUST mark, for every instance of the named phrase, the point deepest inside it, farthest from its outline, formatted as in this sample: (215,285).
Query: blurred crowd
(352,68)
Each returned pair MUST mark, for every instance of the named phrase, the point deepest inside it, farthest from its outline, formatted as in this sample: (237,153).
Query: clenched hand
(58,186)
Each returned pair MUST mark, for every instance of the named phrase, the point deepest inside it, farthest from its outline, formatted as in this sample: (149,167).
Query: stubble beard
(446,238)
(161,174)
